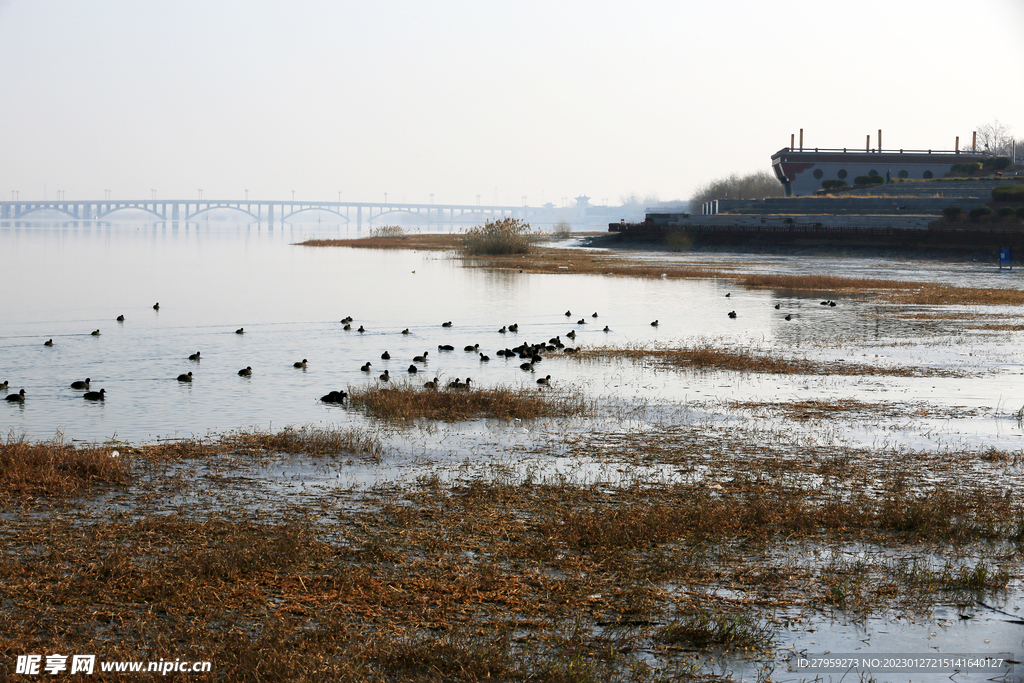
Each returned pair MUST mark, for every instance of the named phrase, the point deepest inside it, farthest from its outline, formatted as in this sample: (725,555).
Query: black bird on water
(413,369)
(156,306)
(385,377)
(300,364)
(447,324)
(95,333)
(420,359)
(194,356)
(544,380)
(94,395)
(789,317)
(120,318)
(405,331)
(80,384)
(361,329)
(568,314)
(335,397)
(185,378)
(732,314)
(19,397)
(654,324)
(48,342)
(245,372)
(240,330)
(385,356)
(366,367)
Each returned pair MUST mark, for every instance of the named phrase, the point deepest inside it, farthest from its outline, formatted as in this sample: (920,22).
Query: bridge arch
(208,209)
(316,208)
(37,209)
(130,207)
(420,215)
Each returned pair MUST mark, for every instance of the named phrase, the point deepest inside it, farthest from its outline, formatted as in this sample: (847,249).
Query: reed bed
(57,468)
(560,261)
(708,357)
(453,404)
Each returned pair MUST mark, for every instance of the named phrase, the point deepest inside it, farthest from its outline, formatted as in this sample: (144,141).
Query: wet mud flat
(666,545)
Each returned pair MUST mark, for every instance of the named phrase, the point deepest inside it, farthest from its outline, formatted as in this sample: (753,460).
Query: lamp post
(247,195)
(385,197)
(200,195)
(154,194)
(293,195)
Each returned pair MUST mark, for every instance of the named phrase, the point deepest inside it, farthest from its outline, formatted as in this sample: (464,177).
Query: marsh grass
(538,259)
(305,439)
(706,356)
(410,402)
(498,237)
(56,468)
(716,630)
(390,231)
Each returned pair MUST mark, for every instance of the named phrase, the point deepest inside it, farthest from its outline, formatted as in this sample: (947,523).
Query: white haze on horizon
(459,99)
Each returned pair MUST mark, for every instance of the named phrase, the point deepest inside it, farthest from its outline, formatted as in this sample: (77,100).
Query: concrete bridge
(262,211)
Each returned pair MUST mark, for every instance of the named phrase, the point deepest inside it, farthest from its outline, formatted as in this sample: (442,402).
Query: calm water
(64,282)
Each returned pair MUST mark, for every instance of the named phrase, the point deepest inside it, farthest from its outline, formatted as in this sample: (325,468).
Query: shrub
(561,230)
(999,163)
(1020,213)
(868,180)
(1007,211)
(758,185)
(833,184)
(503,236)
(952,212)
(980,211)
(1009,193)
(388,231)
(966,169)
(677,240)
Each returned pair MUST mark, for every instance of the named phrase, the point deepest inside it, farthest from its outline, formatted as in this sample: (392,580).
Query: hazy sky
(459,99)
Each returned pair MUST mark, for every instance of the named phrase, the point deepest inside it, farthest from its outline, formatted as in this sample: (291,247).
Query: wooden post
(879,140)
(957,148)
(974,141)
(867,143)
(801,139)
(792,140)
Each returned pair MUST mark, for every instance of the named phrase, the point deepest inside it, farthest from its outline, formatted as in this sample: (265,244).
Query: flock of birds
(530,353)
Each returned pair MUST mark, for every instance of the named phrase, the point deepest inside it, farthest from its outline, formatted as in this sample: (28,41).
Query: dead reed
(705,356)
(429,242)
(454,404)
(56,468)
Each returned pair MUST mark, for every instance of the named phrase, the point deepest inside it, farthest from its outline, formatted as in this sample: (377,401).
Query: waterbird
(194,356)
(654,324)
(472,348)
(569,349)
(413,369)
(514,327)
(406,330)
(19,397)
(347,319)
(335,397)
(447,324)
(778,306)
(606,329)
(81,384)
(594,314)
(484,358)
(502,330)
(728,294)
(347,327)
(832,304)
(95,333)
(245,372)
(581,321)
(4,385)
(94,395)
(385,377)
(431,384)
(385,356)
(240,330)
(571,334)
(48,342)
(300,364)
(568,314)
(361,329)
(544,380)
(120,318)
(526,366)
(366,367)
(421,359)
(789,317)
(185,378)
(732,314)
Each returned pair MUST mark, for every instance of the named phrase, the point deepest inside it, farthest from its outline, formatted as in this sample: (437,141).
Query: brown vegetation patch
(707,357)
(453,404)
(550,260)
(56,469)
(429,242)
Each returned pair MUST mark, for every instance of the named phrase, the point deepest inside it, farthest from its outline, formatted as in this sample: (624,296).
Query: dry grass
(56,468)
(418,242)
(408,402)
(547,260)
(708,357)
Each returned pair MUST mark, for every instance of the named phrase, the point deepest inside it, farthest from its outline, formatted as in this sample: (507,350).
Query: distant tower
(583,202)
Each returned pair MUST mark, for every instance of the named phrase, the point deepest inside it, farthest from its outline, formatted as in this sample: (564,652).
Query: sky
(446,101)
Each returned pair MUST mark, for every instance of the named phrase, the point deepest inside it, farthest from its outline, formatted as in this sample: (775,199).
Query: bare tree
(757,185)
(995,138)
